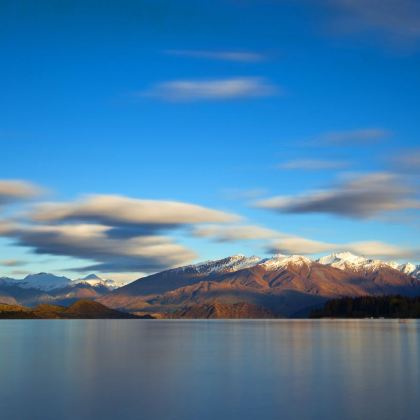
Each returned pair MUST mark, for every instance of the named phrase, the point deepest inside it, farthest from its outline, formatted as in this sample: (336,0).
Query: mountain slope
(283,285)
(222,311)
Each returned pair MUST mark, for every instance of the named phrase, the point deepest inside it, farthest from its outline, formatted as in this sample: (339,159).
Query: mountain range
(236,286)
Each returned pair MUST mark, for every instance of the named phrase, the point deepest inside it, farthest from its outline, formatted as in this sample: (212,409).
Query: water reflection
(133,369)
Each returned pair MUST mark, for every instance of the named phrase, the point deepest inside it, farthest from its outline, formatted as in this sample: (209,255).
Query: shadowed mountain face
(284,286)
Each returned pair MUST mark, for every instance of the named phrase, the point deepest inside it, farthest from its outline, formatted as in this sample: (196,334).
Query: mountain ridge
(284,285)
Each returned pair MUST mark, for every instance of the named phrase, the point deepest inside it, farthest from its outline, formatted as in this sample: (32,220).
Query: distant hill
(82,309)
(370,306)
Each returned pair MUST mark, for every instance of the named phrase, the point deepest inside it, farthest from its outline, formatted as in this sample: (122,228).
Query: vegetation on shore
(82,309)
(370,307)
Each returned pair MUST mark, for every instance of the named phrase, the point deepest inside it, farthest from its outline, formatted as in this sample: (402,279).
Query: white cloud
(221,89)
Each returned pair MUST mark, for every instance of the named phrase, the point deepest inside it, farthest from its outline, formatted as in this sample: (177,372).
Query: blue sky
(222,104)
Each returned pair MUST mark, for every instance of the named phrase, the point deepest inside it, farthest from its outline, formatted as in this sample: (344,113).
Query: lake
(233,369)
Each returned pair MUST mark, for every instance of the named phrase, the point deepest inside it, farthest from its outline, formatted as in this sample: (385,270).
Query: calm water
(137,369)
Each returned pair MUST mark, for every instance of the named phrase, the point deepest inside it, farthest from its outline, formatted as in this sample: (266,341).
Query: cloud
(408,161)
(12,263)
(92,242)
(361,197)
(353,137)
(143,216)
(238,56)
(399,19)
(12,191)
(221,89)
(298,245)
(234,233)
(114,233)
(313,164)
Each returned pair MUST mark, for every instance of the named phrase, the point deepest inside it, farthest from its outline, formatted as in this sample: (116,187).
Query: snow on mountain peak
(280,260)
(347,260)
(228,264)
(45,281)
(342,258)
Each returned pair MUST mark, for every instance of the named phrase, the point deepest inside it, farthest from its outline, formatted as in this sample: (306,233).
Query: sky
(141,135)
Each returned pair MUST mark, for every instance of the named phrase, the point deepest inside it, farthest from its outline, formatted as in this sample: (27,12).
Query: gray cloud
(361,197)
(93,243)
(12,191)
(238,56)
(218,89)
(115,233)
(313,164)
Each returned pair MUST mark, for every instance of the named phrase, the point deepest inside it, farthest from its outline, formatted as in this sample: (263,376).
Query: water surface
(181,370)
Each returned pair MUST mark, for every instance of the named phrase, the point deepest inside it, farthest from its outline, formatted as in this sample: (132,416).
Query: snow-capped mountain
(225,265)
(407,268)
(284,284)
(349,261)
(96,281)
(283,261)
(43,281)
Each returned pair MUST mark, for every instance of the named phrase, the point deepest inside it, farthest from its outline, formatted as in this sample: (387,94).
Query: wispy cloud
(94,243)
(398,19)
(121,211)
(353,137)
(113,233)
(408,161)
(360,197)
(313,164)
(237,56)
(234,233)
(12,263)
(280,242)
(219,89)
(298,245)
(15,190)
